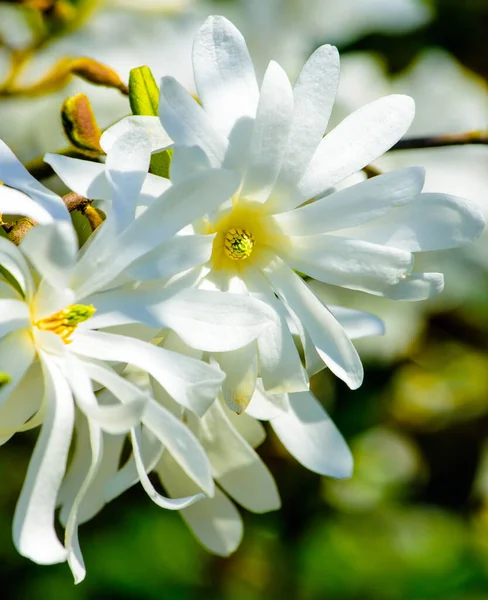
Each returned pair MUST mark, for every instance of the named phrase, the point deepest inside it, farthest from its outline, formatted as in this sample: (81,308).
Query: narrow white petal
(224,74)
(187,123)
(116,418)
(350,263)
(14,202)
(14,314)
(33,527)
(314,94)
(361,138)
(236,466)
(16,355)
(187,160)
(270,134)
(123,479)
(180,442)
(280,366)
(429,222)
(192,383)
(309,434)
(417,286)
(158,138)
(14,174)
(162,501)
(357,324)
(354,205)
(23,402)
(204,319)
(52,249)
(12,259)
(215,522)
(75,558)
(127,165)
(330,340)
(249,428)
(265,406)
(84,177)
(241,372)
(174,256)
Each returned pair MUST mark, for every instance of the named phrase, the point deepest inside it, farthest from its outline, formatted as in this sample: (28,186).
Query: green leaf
(160,163)
(143,92)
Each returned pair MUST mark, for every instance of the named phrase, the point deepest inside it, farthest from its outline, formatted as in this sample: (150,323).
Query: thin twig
(448,139)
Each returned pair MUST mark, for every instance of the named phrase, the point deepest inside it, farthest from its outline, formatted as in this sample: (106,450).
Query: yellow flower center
(64,322)
(238,244)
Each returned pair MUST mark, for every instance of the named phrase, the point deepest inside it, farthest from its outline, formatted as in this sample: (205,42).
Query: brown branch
(448,139)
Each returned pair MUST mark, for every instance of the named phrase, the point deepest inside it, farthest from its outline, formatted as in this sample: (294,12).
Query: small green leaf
(160,163)
(143,92)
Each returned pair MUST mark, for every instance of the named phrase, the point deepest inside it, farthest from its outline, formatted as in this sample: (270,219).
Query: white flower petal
(215,522)
(265,406)
(187,123)
(204,319)
(23,402)
(52,249)
(158,138)
(361,138)
(416,286)
(14,314)
(123,479)
(84,177)
(162,501)
(250,429)
(14,174)
(14,202)
(309,434)
(354,205)
(16,355)
(350,263)
(429,222)
(174,256)
(331,341)
(314,94)
(12,259)
(127,165)
(33,528)
(356,323)
(270,134)
(241,372)
(224,74)
(75,558)
(280,366)
(192,383)
(180,442)
(187,160)
(114,418)
(236,466)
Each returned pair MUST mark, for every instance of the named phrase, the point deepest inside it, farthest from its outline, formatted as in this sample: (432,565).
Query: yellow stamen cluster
(64,322)
(238,244)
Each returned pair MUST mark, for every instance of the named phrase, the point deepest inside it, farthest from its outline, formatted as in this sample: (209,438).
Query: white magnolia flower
(361,238)
(52,349)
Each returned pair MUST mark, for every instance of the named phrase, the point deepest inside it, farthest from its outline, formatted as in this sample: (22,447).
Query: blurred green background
(412,523)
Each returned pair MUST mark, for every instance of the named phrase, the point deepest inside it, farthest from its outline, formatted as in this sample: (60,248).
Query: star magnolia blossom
(51,348)
(286,217)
